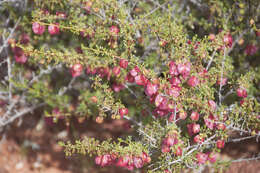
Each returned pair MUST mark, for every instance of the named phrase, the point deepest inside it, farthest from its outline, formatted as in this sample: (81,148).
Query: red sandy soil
(32,148)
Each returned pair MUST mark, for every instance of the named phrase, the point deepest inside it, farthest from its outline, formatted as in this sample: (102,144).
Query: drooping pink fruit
(193,81)
(76,70)
(129,78)
(220,143)
(105,160)
(212,37)
(198,139)
(54,29)
(201,158)
(151,89)
(194,116)
(123,161)
(174,91)
(212,157)
(241,93)
(182,115)
(98,160)
(173,69)
(135,71)
(159,112)
(104,72)
(146,158)
(17,51)
(117,87)
(123,63)
(38,28)
(175,81)
(141,80)
(212,105)
(195,128)
(184,69)
(138,162)
(21,59)
(116,70)
(178,151)
(165,149)
(114,30)
(228,40)
(170,141)
(123,111)
(209,123)
(158,100)
(171,117)
(164,104)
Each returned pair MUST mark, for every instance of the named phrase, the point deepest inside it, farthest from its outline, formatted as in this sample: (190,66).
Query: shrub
(184,73)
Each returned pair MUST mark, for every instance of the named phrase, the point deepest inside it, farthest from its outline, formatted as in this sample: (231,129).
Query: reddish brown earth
(32,148)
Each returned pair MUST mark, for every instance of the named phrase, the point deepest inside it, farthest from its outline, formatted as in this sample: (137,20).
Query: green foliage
(150,36)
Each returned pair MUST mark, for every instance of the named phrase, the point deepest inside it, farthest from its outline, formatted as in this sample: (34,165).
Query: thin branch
(9,69)
(152,140)
(247,159)
(43,72)
(211,59)
(19,114)
(134,121)
(65,89)
(221,78)
(227,94)
(241,139)
(155,9)
(10,35)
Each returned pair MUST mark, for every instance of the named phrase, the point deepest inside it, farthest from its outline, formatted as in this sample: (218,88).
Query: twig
(134,121)
(241,139)
(155,9)
(222,71)
(23,112)
(10,35)
(151,138)
(211,59)
(246,159)
(43,72)
(65,89)
(227,94)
